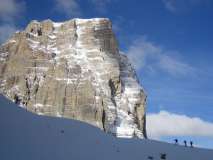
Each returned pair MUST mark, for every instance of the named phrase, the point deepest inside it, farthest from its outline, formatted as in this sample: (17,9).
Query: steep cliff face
(74,70)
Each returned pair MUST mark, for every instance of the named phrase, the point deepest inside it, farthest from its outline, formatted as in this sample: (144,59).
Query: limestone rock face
(74,69)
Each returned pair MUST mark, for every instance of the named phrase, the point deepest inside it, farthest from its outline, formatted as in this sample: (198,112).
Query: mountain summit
(74,69)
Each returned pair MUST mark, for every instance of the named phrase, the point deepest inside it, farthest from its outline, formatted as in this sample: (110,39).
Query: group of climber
(185,143)
(164,155)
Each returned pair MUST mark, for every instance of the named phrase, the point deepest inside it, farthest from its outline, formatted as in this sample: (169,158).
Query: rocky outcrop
(74,70)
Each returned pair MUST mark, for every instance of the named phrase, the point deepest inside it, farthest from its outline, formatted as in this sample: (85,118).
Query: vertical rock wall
(74,70)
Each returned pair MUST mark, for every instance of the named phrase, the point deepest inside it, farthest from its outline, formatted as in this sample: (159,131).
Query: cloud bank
(169,124)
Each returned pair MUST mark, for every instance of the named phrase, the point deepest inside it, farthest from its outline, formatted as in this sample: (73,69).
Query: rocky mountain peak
(74,69)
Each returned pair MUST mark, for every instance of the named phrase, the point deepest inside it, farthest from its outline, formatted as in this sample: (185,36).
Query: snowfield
(26,136)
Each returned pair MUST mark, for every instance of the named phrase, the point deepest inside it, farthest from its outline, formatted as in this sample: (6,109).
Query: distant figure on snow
(176,141)
(150,157)
(185,143)
(163,156)
(191,144)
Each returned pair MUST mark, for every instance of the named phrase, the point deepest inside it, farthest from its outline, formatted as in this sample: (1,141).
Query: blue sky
(170,43)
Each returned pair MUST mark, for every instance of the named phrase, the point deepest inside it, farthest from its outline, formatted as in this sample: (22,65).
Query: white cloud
(174,66)
(10,12)
(101,5)
(118,22)
(72,8)
(182,5)
(170,5)
(6,31)
(146,55)
(69,7)
(11,9)
(170,124)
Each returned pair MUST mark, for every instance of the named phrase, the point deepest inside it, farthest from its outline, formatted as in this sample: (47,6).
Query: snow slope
(26,136)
